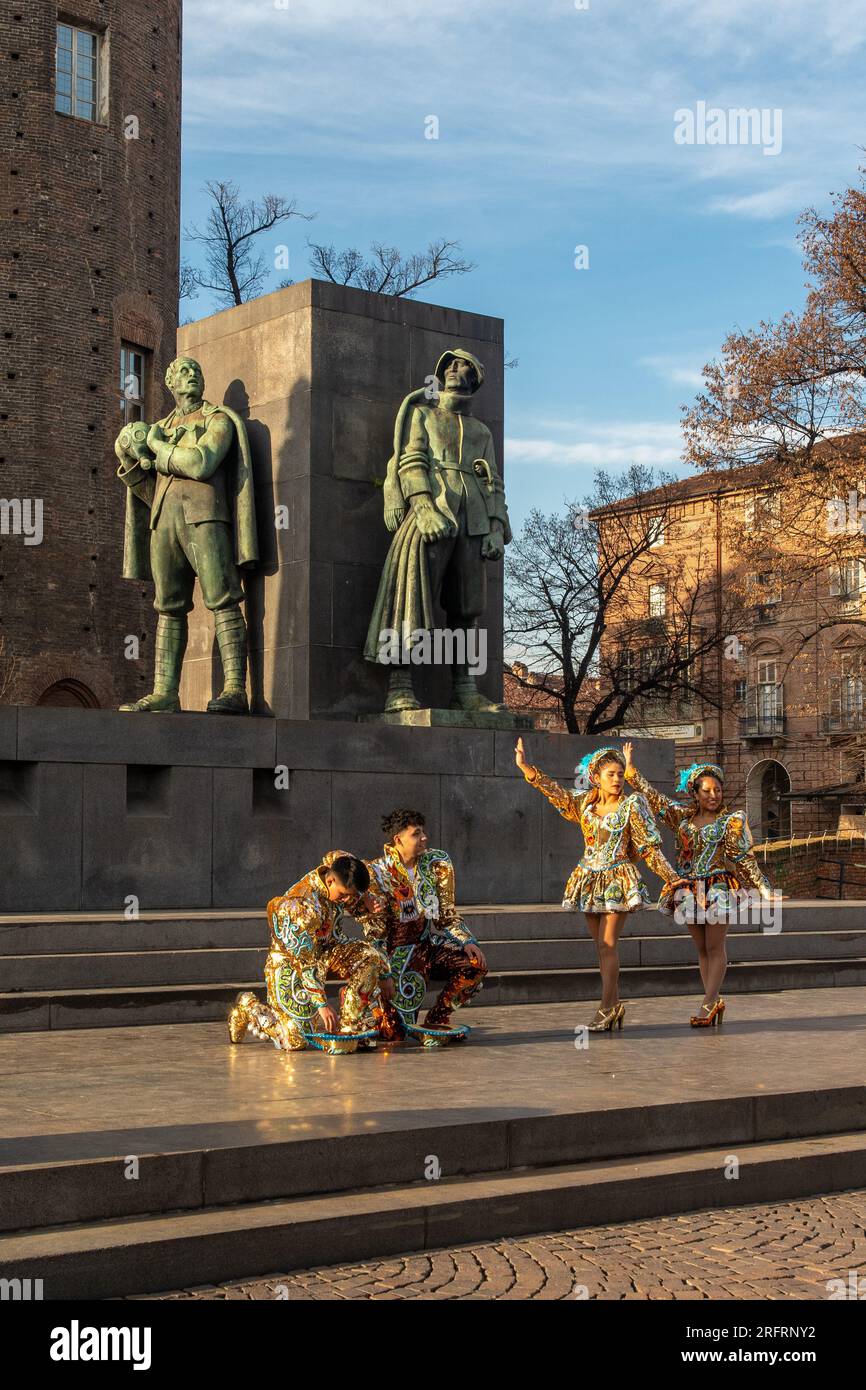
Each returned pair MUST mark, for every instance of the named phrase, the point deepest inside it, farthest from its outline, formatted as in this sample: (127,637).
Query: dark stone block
(157,846)
(494,839)
(361,799)
(265,839)
(9,733)
(181,740)
(40,835)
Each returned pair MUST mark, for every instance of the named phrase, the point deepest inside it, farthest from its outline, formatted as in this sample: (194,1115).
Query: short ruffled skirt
(716,903)
(620,889)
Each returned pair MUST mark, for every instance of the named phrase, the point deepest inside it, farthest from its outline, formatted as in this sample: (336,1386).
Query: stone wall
(182,811)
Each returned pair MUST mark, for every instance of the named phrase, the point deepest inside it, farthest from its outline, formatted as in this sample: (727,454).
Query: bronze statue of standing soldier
(445,501)
(190,513)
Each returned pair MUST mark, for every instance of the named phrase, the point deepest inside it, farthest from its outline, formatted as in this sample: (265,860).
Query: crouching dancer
(417,925)
(308,946)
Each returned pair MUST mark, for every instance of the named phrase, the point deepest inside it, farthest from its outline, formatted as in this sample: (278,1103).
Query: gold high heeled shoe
(607,1019)
(710,1015)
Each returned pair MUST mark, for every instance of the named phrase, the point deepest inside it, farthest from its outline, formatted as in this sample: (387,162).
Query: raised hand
(628,749)
(519,757)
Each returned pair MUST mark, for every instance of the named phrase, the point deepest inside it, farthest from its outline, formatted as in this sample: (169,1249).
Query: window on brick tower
(133,363)
(77,73)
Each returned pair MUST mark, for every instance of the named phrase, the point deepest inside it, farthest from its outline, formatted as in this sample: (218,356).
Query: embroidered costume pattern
(718,855)
(308,945)
(417,925)
(605,879)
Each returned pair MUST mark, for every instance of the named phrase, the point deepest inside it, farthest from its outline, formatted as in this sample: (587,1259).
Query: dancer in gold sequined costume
(716,859)
(605,885)
(417,925)
(308,946)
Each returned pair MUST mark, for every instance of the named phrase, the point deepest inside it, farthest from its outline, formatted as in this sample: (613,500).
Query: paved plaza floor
(100,1092)
(789,1250)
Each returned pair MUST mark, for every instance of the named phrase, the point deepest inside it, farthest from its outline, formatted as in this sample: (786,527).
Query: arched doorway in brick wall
(68,694)
(769,816)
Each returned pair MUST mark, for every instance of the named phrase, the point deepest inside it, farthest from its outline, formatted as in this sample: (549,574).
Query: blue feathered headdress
(689,774)
(587,763)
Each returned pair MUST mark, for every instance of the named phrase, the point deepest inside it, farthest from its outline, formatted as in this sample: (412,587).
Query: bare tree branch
(385,270)
(233,271)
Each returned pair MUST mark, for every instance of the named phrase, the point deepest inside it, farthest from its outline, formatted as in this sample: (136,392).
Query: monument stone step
(214,965)
(123,1006)
(75,933)
(161,1251)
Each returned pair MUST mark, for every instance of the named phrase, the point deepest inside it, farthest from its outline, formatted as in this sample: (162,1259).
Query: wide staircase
(154,1158)
(99,970)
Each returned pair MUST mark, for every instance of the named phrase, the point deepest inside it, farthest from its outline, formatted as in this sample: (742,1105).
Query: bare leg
(605,929)
(698,933)
(717,960)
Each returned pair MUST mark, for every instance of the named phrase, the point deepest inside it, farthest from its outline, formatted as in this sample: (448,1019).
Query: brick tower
(89,246)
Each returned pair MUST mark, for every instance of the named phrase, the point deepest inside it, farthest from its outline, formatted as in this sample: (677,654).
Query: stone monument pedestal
(451,719)
(318,372)
(200,811)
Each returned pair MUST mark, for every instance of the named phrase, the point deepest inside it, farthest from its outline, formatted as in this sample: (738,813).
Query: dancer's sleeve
(293,923)
(646,840)
(567,803)
(375,924)
(669,811)
(738,849)
(450,922)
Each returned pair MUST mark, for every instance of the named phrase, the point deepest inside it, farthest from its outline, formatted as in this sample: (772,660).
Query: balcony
(765,613)
(849,721)
(762,725)
(766,711)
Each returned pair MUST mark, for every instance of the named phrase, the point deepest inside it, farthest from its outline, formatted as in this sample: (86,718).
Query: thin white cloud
(675,371)
(613,444)
(769,202)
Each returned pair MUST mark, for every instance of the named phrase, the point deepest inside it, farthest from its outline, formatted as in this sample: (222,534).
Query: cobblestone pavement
(789,1250)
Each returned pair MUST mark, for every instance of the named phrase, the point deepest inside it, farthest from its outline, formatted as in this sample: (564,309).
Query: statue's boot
(400,692)
(231,635)
(465,695)
(171,635)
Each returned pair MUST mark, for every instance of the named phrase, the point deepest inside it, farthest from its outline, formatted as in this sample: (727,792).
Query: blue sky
(556,129)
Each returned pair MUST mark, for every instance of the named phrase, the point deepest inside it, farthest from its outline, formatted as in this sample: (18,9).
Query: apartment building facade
(781,706)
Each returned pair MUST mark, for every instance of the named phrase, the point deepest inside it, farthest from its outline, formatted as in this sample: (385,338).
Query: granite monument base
(136,812)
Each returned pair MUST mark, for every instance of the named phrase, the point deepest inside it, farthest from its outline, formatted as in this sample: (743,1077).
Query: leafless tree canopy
(385,270)
(575,620)
(233,270)
(788,399)
(188,287)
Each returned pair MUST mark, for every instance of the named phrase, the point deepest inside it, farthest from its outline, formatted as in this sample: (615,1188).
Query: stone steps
(249,1162)
(164,1250)
(86,971)
(28,1011)
(195,930)
(215,966)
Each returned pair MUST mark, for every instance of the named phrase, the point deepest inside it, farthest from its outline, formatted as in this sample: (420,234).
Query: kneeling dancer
(716,859)
(307,947)
(605,885)
(416,923)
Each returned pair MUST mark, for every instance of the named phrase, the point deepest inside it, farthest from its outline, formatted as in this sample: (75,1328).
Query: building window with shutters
(657,600)
(847,583)
(765,701)
(627,670)
(763,511)
(133,364)
(845,703)
(77,85)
